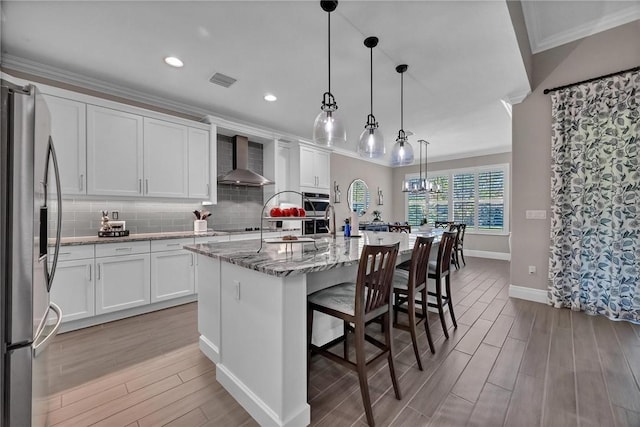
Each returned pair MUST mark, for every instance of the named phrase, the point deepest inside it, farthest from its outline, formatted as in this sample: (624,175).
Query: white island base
(253,326)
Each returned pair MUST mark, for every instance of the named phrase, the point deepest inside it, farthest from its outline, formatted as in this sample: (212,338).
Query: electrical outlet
(532,269)
(236,285)
(115,214)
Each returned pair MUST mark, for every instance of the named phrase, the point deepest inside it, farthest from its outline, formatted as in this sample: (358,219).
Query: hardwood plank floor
(510,362)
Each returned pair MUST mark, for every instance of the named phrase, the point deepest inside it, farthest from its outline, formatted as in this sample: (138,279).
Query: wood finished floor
(510,362)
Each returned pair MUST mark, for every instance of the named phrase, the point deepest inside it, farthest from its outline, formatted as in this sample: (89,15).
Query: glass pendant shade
(371,144)
(402,154)
(328,129)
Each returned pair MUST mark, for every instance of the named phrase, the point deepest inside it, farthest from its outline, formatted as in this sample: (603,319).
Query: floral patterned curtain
(594,263)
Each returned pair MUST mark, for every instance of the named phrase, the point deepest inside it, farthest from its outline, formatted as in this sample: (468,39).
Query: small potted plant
(377,216)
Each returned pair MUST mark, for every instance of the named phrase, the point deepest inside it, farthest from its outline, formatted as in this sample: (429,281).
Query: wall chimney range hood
(241,175)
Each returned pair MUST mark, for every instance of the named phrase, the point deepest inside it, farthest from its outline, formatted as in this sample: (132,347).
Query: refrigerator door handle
(42,344)
(51,155)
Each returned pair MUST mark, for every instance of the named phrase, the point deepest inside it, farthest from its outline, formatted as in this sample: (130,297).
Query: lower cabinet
(172,274)
(73,289)
(122,282)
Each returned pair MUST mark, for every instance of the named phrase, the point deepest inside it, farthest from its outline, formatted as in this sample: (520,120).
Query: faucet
(332,228)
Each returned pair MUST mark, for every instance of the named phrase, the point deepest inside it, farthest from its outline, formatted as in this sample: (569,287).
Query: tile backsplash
(237,207)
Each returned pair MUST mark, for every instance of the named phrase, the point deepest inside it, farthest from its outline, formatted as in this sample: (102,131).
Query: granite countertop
(91,240)
(288,259)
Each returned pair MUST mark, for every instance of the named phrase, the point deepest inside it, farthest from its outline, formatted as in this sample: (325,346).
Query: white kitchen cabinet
(122,282)
(166,159)
(314,169)
(114,152)
(69,134)
(172,274)
(199,178)
(73,289)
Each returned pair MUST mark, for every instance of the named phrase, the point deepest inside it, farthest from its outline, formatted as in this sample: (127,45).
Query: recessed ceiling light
(173,61)
(270,97)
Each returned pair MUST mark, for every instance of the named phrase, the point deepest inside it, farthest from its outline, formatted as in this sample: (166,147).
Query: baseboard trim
(504,256)
(529,294)
(130,312)
(209,349)
(259,410)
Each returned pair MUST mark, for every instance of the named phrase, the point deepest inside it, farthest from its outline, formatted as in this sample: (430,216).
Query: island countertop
(289,259)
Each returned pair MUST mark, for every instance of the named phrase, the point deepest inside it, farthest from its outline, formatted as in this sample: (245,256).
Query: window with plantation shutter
(416,206)
(477,197)
(464,198)
(439,199)
(491,200)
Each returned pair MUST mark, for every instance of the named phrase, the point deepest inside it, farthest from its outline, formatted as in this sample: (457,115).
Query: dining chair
(396,228)
(438,270)
(406,286)
(456,228)
(357,304)
(443,224)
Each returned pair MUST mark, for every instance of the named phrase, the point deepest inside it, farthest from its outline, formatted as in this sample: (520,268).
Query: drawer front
(124,248)
(170,244)
(68,253)
(212,239)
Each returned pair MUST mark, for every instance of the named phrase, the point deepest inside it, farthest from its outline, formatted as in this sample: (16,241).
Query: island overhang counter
(252,312)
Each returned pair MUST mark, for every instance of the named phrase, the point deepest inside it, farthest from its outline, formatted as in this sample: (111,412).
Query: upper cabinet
(114,152)
(106,148)
(69,133)
(166,159)
(199,165)
(314,169)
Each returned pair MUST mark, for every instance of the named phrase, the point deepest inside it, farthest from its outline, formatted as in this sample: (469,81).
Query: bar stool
(458,246)
(439,270)
(360,303)
(406,285)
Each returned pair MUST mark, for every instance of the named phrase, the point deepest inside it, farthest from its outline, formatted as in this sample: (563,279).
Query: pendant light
(371,144)
(402,153)
(328,128)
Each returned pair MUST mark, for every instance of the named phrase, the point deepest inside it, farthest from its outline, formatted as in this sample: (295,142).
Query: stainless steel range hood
(241,175)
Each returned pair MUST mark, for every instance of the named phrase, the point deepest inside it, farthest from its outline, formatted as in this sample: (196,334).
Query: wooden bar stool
(406,285)
(439,270)
(360,303)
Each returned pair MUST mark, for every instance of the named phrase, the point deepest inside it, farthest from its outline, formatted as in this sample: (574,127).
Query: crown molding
(518,97)
(539,44)
(63,76)
(465,155)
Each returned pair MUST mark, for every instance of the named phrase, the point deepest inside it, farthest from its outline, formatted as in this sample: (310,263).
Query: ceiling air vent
(222,80)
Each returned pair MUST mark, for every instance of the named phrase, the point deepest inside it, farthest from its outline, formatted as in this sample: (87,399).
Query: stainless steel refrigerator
(30,222)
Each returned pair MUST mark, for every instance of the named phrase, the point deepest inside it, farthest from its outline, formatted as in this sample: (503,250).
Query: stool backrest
(444,251)
(375,277)
(419,262)
(394,228)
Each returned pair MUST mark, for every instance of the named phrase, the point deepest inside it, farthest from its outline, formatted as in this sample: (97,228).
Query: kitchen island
(252,311)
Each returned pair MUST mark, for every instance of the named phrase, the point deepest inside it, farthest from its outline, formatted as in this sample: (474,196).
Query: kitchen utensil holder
(200,226)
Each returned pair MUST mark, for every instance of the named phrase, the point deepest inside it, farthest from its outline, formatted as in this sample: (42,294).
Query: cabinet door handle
(208,190)
(123,249)
(191,260)
(98,272)
(140,186)
(89,269)
(173,244)
(146,185)
(81,182)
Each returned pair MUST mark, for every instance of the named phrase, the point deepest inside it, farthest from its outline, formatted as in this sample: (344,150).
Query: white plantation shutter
(491,200)
(416,204)
(439,201)
(464,198)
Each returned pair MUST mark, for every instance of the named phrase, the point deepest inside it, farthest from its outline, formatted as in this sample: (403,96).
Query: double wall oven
(315,205)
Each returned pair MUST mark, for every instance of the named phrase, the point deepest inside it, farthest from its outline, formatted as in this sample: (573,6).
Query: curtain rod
(546,91)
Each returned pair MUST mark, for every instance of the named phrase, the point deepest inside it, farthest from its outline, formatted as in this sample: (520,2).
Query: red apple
(275,212)
(294,211)
(302,212)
